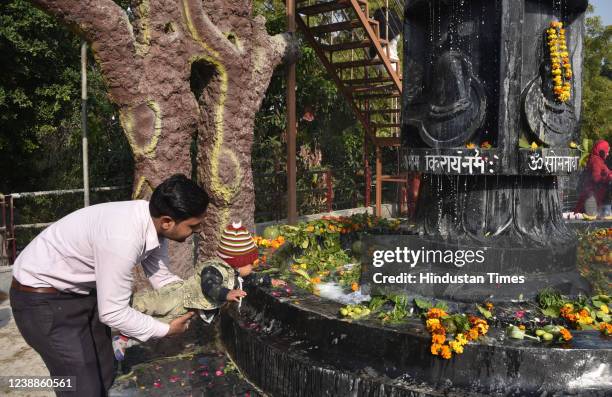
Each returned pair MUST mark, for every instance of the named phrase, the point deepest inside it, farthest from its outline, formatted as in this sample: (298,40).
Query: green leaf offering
(422,304)
(486,313)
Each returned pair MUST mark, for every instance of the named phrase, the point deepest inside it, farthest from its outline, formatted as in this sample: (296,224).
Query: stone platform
(299,346)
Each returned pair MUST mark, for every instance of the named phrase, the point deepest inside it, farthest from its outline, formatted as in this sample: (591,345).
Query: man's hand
(278,283)
(180,325)
(235,295)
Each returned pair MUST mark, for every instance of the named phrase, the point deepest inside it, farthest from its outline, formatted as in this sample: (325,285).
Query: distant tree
(597,84)
(325,120)
(40,132)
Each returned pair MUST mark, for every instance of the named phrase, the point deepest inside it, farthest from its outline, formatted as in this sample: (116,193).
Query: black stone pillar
(481,121)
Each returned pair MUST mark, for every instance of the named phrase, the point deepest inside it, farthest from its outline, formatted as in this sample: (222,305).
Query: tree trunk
(185,75)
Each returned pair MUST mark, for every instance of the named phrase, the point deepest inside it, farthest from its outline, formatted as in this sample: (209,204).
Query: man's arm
(114,260)
(156,264)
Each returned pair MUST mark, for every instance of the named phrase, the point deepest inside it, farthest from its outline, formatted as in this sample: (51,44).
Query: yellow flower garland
(559,57)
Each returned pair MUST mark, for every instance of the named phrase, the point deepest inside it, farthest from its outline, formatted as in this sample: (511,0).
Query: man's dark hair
(179,198)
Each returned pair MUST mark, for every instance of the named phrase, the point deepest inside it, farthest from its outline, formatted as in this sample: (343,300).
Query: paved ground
(186,366)
(16,357)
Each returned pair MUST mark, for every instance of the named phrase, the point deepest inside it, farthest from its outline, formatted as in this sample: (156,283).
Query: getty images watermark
(404,260)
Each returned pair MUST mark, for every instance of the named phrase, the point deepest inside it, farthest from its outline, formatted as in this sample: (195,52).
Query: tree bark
(184,74)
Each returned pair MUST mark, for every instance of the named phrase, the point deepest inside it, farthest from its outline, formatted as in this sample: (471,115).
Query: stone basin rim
(415,322)
(392,352)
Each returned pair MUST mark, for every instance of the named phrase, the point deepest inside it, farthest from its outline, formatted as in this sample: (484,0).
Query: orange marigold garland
(269,243)
(577,319)
(606,329)
(441,344)
(559,58)
(565,334)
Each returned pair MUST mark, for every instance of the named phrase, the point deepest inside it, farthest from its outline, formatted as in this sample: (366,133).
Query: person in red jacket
(597,177)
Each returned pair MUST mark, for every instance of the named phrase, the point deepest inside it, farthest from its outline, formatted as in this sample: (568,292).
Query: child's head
(237,248)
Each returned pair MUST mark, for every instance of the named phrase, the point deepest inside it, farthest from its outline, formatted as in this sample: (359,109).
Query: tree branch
(280,48)
(106,27)
(205,32)
(285,47)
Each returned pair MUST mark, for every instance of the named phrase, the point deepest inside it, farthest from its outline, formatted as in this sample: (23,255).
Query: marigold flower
(472,334)
(434,312)
(446,352)
(604,308)
(433,324)
(461,339)
(489,306)
(565,334)
(315,280)
(476,320)
(456,347)
(354,287)
(438,338)
(435,349)
(441,331)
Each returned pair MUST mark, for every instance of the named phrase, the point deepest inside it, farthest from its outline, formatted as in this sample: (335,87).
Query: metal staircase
(344,37)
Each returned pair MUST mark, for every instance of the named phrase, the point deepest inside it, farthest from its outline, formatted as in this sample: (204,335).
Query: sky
(603,8)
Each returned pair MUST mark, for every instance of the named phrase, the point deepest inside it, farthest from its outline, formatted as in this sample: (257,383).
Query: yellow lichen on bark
(127,122)
(142,185)
(224,192)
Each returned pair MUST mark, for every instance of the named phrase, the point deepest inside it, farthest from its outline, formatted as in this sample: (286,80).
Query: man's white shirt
(98,247)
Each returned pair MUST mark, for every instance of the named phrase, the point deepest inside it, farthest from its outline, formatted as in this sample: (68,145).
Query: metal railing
(323,190)
(8,226)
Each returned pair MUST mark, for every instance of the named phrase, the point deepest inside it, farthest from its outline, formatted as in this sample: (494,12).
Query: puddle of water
(334,292)
(208,374)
